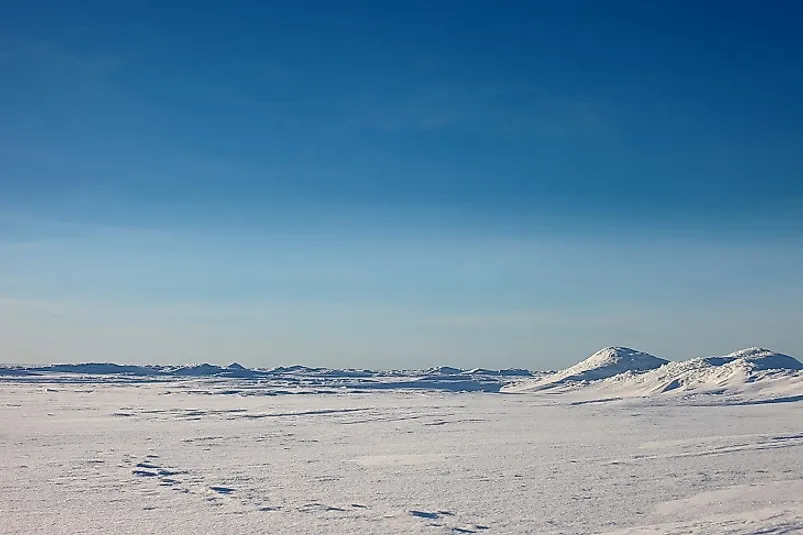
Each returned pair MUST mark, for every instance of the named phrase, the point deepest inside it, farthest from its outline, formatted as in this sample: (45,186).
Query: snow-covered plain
(115,452)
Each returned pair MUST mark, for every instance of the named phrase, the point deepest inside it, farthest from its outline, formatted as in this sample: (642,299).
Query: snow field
(189,456)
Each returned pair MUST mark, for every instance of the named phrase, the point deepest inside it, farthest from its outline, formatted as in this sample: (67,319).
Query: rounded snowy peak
(763,359)
(623,355)
(610,361)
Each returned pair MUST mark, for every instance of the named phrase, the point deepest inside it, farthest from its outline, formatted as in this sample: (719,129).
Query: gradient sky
(387,185)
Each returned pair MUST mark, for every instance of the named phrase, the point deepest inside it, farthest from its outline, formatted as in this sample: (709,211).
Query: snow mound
(96,368)
(753,370)
(197,370)
(759,358)
(507,372)
(611,361)
(296,369)
(443,370)
(605,363)
(752,375)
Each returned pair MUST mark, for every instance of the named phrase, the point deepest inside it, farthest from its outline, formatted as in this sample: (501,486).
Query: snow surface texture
(622,443)
(183,456)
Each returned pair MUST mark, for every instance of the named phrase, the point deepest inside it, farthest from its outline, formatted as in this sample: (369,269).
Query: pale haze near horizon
(483,303)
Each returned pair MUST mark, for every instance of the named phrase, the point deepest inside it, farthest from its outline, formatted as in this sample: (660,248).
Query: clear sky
(399,184)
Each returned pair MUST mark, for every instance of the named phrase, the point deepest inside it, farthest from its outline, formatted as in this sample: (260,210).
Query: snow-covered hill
(761,373)
(605,363)
(752,374)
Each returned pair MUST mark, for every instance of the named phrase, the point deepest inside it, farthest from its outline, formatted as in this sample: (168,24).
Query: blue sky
(398,185)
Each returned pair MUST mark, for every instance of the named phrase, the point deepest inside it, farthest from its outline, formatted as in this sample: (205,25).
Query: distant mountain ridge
(205,369)
(295,377)
(611,372)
